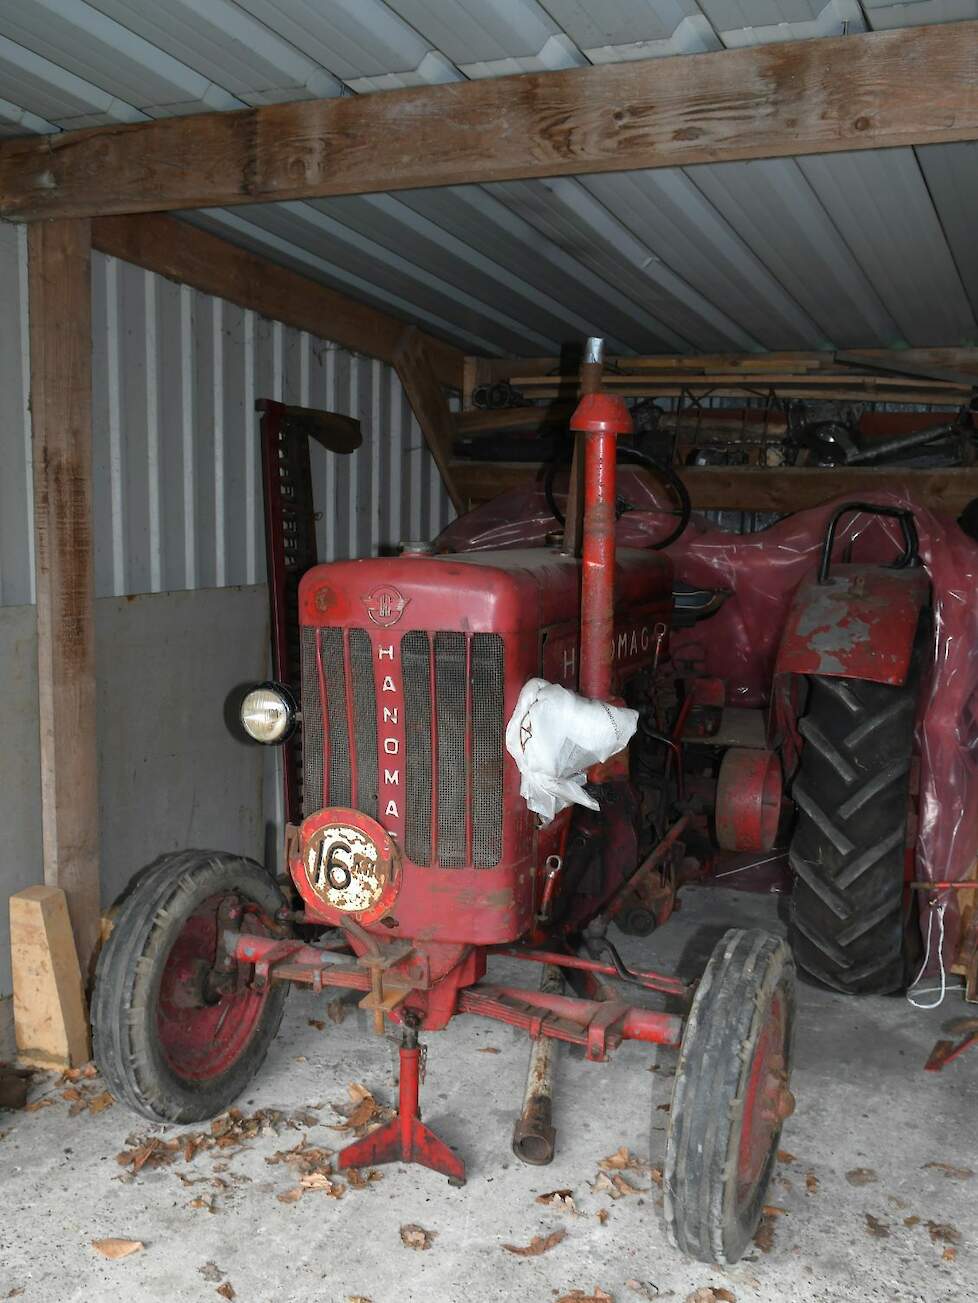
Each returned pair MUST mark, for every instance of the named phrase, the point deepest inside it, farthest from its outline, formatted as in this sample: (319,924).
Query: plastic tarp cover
(739,644)
(555,735)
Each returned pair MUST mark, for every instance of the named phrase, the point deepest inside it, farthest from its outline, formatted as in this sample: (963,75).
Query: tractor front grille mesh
(312,726)
(364,720)
(453,738)
(339,790)
(451,683)
(416,677)
(487,749)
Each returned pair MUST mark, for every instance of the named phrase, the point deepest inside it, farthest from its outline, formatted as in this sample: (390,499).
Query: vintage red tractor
(419,853)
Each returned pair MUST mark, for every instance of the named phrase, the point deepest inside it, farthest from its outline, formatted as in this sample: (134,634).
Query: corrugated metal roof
(835,250)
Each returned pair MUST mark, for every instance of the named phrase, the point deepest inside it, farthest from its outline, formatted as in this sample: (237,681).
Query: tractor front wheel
(178,1030)
(730,1097)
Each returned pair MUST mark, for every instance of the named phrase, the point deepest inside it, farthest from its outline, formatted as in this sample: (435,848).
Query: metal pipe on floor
(534,1136)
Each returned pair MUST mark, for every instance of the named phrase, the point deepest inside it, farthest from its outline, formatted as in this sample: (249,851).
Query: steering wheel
(667,473)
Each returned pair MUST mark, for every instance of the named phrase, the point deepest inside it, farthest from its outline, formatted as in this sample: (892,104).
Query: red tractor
(420,855)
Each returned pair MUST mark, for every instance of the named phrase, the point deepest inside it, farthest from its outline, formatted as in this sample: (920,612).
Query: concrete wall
(171,774)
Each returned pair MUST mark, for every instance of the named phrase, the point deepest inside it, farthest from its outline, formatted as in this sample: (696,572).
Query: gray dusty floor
(863,1102)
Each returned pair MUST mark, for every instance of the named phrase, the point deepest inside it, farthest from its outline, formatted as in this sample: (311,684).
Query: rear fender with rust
(861,624)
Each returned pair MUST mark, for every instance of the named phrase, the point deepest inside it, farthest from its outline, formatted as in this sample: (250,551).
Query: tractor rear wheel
(730,1097)
(175,1036)
(848,927)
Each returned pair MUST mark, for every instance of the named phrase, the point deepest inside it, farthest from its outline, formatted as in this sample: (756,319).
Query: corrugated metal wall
(177,488)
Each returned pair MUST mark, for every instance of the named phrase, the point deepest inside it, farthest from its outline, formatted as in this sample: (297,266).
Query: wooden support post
(50,1018)
(430,406)
(61,412)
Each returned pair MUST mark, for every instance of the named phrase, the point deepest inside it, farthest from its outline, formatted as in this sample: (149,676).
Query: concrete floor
(863,1102)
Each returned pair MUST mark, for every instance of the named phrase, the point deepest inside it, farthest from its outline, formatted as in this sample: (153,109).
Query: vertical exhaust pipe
(534,1136)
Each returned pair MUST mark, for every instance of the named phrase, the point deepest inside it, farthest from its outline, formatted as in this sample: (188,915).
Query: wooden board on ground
(50,1018)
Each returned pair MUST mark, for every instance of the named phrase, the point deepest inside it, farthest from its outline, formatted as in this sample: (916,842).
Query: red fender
(860,624)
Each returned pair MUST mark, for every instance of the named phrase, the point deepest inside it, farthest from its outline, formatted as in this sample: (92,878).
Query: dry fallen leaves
(861,1176)
(318,1023)
(602,1215)
(46,1102)
(114,1249)
(539,1244)
(764,1235)
(911,1221)
(578,1296)
(951,1172)
(363,1114)
(226,1290)
(362,1180)
(614,1185)
(785,1157)
(487,1049)
(336,1009)
(86,1071)
(624,1160)
(711,1294)
(811,1182)
(944,1232)
(357,1298)
(416,1237)
(560,1199)
(876,1228)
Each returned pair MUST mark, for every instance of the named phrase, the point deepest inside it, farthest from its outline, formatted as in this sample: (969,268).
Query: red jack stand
(405,1139)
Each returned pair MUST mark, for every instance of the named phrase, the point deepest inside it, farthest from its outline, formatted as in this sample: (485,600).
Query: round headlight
(268,713)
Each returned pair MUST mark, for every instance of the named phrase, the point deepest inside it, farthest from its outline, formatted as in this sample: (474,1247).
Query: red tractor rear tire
(168,1043)
(849,919)
(730,1097)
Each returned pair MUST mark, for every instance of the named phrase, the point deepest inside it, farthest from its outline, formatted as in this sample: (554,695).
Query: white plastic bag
(554,736)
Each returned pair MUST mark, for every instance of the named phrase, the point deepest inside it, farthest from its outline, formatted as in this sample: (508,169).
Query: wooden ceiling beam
(751,488)
(207,262)
(910,86)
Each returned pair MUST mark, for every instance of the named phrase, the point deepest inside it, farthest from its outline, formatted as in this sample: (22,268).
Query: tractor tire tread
(131,960)
(702,1147)
(847,851)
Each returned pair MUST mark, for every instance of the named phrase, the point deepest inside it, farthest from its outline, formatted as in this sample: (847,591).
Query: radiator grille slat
(338,730)
(416,677)
(453,779)
(312,727)
(364,720)
(487,750)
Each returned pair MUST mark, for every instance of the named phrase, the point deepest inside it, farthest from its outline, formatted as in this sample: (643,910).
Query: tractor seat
(691,604)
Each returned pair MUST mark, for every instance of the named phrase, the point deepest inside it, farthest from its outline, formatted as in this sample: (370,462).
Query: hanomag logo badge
(385,605)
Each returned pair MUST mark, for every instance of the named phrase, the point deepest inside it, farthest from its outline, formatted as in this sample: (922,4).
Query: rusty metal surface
(748,800)
(534,1135)
(861,624)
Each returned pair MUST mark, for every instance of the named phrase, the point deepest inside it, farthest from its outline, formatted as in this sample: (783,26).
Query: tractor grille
(327,744)
(453,730)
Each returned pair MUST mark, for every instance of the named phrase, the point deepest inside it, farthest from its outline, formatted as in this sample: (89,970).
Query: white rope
(937,909)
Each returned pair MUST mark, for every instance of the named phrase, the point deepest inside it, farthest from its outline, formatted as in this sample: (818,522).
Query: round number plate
(347,860)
